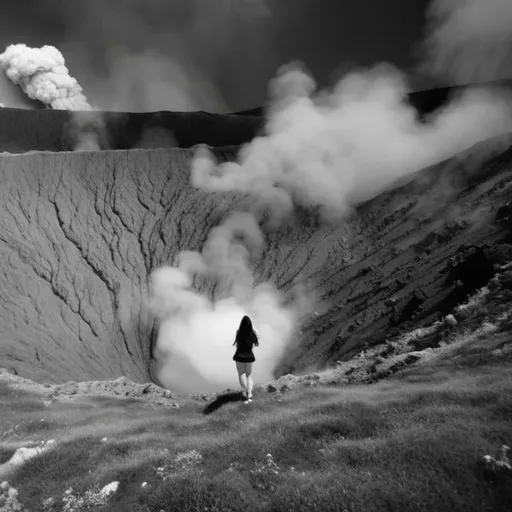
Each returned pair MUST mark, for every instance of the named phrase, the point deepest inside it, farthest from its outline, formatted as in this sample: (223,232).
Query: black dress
(244,353)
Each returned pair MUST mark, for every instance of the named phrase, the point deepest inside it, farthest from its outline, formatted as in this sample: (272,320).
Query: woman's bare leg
(250,383)
(242,377)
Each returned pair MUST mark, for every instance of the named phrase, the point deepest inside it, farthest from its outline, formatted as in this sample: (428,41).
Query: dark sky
(115,48)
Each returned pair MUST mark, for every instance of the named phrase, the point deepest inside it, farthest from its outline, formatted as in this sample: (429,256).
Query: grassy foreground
(411,443)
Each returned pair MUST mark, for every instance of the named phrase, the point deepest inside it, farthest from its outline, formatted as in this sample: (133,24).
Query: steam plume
(333,149)
(469,40)
(42,75)
(199,332)
(86,130)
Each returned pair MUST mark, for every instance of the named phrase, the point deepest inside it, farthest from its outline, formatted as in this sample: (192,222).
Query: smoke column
(86,130)
(42,75)
(196,334)
(469,40)
(331,150)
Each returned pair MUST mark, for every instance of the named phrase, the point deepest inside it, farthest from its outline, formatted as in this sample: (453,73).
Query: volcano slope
(81,232)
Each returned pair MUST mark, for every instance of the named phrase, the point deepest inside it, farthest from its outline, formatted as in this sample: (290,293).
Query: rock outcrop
(409,257)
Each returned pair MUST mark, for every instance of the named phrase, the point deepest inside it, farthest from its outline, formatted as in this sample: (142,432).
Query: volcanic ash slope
(80,234)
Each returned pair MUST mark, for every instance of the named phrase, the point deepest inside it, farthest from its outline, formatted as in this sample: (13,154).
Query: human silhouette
(246,339)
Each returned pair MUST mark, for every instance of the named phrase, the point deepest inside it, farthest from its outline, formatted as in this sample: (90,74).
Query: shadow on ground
(221,400)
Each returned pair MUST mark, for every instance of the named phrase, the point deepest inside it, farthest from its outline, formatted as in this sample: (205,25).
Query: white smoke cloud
(41,73)
(86,130)
(197,333)
(469,40)
(12,96)
(227,254)
(334,149)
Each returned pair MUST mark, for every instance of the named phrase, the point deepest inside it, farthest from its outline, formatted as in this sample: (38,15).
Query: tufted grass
(399,444)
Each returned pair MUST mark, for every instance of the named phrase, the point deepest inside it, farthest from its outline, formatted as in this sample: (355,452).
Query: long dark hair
(245,334)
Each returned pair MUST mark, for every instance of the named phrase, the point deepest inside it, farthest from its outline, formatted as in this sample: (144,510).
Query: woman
(246,338)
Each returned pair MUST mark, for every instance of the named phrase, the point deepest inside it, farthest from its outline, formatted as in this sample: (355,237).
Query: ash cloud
(42,75)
